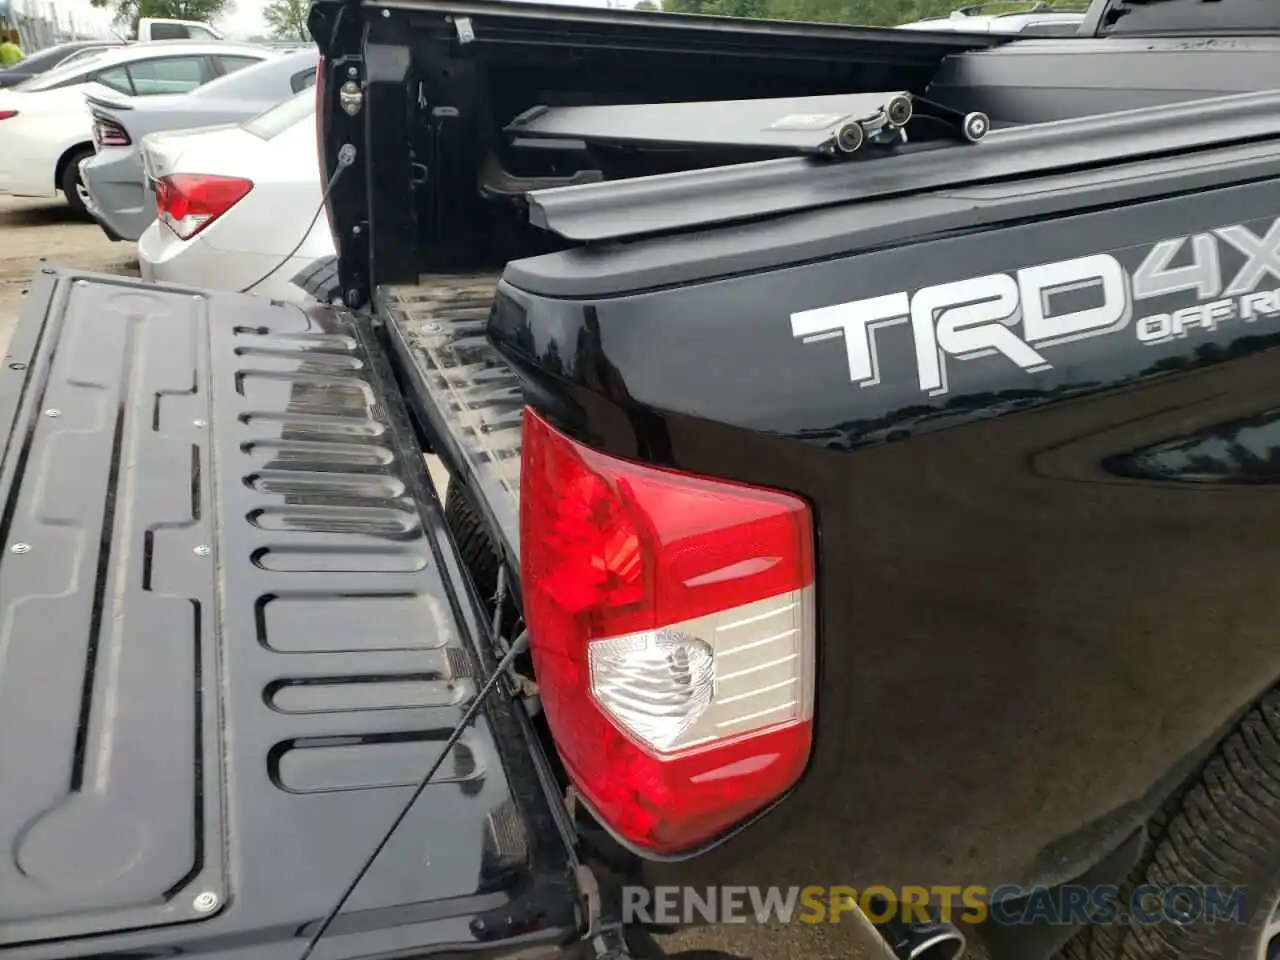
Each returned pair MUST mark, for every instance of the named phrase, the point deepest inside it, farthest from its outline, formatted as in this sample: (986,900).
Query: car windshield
(81,55)
(59,75)
(43,59)
(271,123)
(253,83)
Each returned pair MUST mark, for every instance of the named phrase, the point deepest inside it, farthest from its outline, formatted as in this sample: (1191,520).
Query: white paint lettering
(1264,303)
(1155,278)
(858,321)
(1262,253)
(967,319)
(1100,278)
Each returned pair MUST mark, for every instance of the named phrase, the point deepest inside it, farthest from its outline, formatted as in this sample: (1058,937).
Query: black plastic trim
(646,205)
(821,234)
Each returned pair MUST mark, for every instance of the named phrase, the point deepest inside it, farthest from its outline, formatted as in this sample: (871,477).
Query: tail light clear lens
(108,133)
(188,202)
(672,631)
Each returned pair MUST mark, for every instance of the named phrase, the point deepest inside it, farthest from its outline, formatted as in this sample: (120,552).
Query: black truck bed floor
(234,636)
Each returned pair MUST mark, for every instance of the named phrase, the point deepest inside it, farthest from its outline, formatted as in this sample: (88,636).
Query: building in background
(42,24)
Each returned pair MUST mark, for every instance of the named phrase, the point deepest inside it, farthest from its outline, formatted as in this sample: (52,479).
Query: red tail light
(672,631)
(108,133)
(324,165)
(188,202)
(8,114)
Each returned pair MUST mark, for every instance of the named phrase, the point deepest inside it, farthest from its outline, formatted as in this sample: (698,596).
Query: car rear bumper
(118,197)
(164,258)
(227,527)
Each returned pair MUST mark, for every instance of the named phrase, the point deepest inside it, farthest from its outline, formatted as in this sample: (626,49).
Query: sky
(244,21)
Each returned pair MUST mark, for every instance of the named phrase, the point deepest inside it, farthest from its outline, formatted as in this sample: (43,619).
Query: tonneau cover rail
(881,44)
(678,201)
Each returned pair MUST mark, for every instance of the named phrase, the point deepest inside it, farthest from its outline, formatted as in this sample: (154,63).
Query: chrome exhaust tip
(924,941)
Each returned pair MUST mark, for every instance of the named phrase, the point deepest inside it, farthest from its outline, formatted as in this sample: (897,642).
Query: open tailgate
(234,636)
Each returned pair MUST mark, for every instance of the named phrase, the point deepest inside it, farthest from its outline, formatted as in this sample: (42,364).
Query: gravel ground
(36,231)
(32,231)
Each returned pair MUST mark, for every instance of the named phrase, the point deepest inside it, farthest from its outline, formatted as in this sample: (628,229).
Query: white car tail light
(108,133)
(8,114)
(672,629)
(188,202)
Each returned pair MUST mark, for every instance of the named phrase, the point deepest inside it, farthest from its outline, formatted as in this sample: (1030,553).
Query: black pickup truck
(899,517)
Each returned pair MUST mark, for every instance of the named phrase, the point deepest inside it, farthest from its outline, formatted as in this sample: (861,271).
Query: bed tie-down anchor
(836,126)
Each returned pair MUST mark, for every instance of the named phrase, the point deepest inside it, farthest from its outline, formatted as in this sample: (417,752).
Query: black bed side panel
(1034,81)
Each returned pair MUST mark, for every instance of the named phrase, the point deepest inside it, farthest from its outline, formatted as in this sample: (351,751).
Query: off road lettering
(1230,300)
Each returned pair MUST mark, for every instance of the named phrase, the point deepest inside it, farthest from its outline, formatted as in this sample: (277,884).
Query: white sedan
(45,125)
(238,208)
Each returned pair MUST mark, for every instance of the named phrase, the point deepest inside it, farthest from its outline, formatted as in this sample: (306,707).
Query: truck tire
(1223,832)
(477,550)
(319,280)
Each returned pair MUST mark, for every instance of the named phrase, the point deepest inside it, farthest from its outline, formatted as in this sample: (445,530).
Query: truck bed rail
(463,392)
(679,201)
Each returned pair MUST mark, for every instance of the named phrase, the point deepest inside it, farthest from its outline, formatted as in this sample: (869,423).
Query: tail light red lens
(108,133)
(188,202)
(672,631)
(321,69)
(8,114)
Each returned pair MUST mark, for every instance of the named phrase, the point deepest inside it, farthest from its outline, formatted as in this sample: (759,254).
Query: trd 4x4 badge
(1056,303)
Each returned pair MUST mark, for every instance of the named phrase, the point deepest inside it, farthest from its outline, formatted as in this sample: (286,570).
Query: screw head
(17,365)
(202,551)
(351,71)
(205,902)
(53,412)
(386,13)
(20,548)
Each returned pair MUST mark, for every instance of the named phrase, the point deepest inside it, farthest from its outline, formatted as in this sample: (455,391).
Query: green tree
(129,12)
(288,19)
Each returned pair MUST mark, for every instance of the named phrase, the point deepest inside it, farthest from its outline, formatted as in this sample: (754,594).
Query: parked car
(238,207)
(49,58)
(114,179)
(1036,19)
(45,125)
